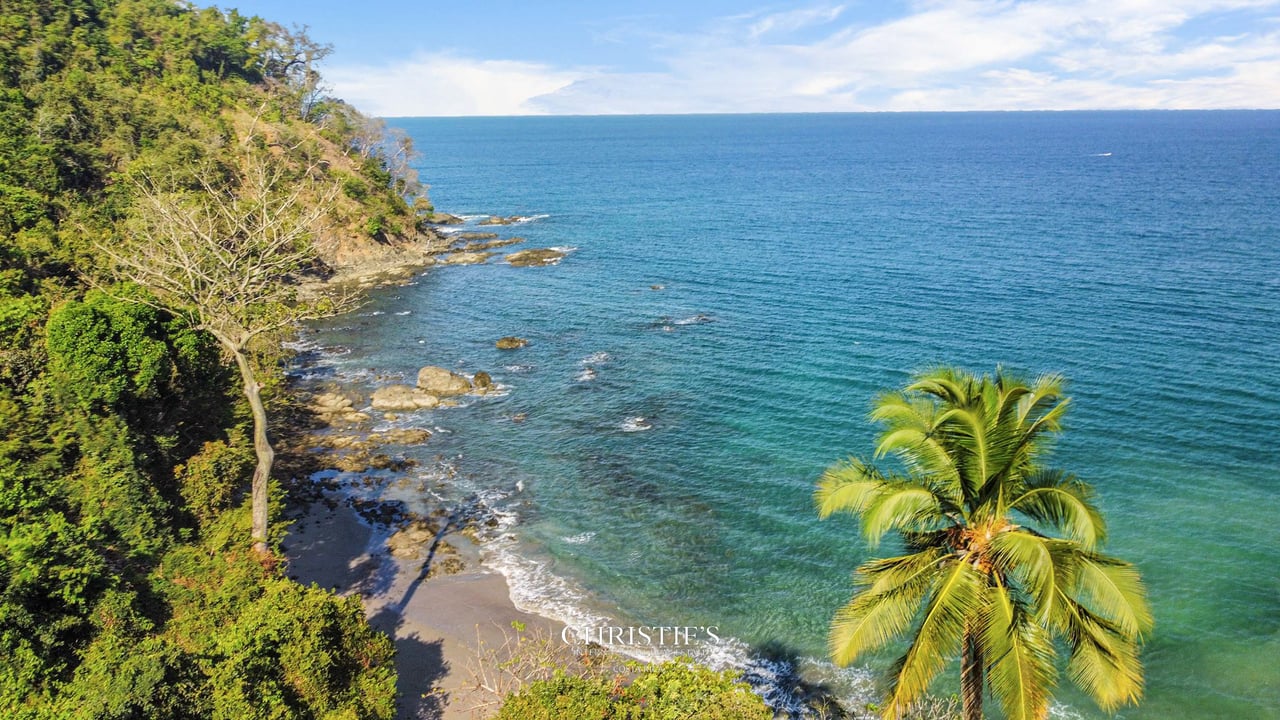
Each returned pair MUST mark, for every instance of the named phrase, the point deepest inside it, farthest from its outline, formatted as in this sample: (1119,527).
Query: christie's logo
(660,635)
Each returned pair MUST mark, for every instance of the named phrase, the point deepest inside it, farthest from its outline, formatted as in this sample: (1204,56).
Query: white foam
(636,424)
(579,539)
(405,312)
(694,320)
(302,344)
(535,589)
(596,358)
(587,375)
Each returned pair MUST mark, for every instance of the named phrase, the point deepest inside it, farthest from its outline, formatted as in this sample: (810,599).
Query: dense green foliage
(126,587)
(1002,567)
(673,690)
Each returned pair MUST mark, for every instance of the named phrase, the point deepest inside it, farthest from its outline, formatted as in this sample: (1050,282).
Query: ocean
(739,289)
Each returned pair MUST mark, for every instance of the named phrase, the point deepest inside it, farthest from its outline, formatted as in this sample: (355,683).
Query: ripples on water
(806,263)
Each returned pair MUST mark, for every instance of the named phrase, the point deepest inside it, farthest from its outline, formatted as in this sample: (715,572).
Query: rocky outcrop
(536,257)
(490,244)
(440,218)
(470,236)
(465,258)
(511,342)
(482,382)
(441,382)
(403,398)
(413,541)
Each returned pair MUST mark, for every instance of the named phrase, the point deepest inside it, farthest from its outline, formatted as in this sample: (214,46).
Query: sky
(491,57)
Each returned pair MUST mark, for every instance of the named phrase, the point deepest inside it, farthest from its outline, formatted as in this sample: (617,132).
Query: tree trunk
(262,448)
(972,680)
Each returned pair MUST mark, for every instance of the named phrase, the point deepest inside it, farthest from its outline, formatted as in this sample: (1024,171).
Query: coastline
(442,619)
(441,624)
(450,628)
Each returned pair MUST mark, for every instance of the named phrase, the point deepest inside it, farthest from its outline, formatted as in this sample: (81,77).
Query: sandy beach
(437,623)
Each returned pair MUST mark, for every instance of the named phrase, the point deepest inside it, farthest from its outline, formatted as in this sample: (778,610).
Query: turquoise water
(810,261)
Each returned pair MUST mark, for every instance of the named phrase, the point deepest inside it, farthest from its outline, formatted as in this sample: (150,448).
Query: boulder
(441,382)
(511,342)
(445,219)
(412,541)
(535,257)
(333,408)
(329,402)
(403,397)
(477,236)
(482,381)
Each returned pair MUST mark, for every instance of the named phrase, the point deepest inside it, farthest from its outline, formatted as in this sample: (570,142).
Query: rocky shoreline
(419,572)
(357,266)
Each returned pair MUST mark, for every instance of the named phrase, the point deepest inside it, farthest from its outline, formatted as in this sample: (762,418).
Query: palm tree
(1002,566)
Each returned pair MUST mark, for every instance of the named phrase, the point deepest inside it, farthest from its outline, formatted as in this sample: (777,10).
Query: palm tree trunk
(261,448)
(972,680)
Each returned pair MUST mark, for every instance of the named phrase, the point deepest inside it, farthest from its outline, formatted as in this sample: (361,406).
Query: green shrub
(104,351)
(673,690)
(209,480)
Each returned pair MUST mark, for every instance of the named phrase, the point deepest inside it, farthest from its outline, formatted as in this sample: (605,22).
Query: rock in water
(403,397)
(511,342)
(441,382)
(406,436)
(466,258)
(495,220)
(482,381)
(536,257)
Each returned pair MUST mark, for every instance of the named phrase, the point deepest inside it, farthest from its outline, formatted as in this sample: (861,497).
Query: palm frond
(955,593)
(1113,589)
(884,610)
(899,505)
(1026,559)
(966,436)
(1045,391)
(950,385)
(910,434)
(1104,662)
(1064,503)
(847,486)
(1020,656)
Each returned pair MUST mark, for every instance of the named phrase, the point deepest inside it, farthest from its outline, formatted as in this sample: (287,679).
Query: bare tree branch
(229,257)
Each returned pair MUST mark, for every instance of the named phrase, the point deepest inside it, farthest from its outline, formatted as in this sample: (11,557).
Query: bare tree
(228,256)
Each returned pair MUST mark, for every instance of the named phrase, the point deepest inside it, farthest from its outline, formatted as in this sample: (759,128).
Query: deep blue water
(1136,253)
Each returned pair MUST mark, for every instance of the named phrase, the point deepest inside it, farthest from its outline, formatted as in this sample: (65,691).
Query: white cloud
(794,20)
(443,84)
(941,55)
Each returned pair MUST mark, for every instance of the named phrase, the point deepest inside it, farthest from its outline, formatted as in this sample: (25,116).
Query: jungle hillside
(129,584)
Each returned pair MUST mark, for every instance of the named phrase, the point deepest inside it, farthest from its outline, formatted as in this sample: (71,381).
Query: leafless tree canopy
(229,254)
